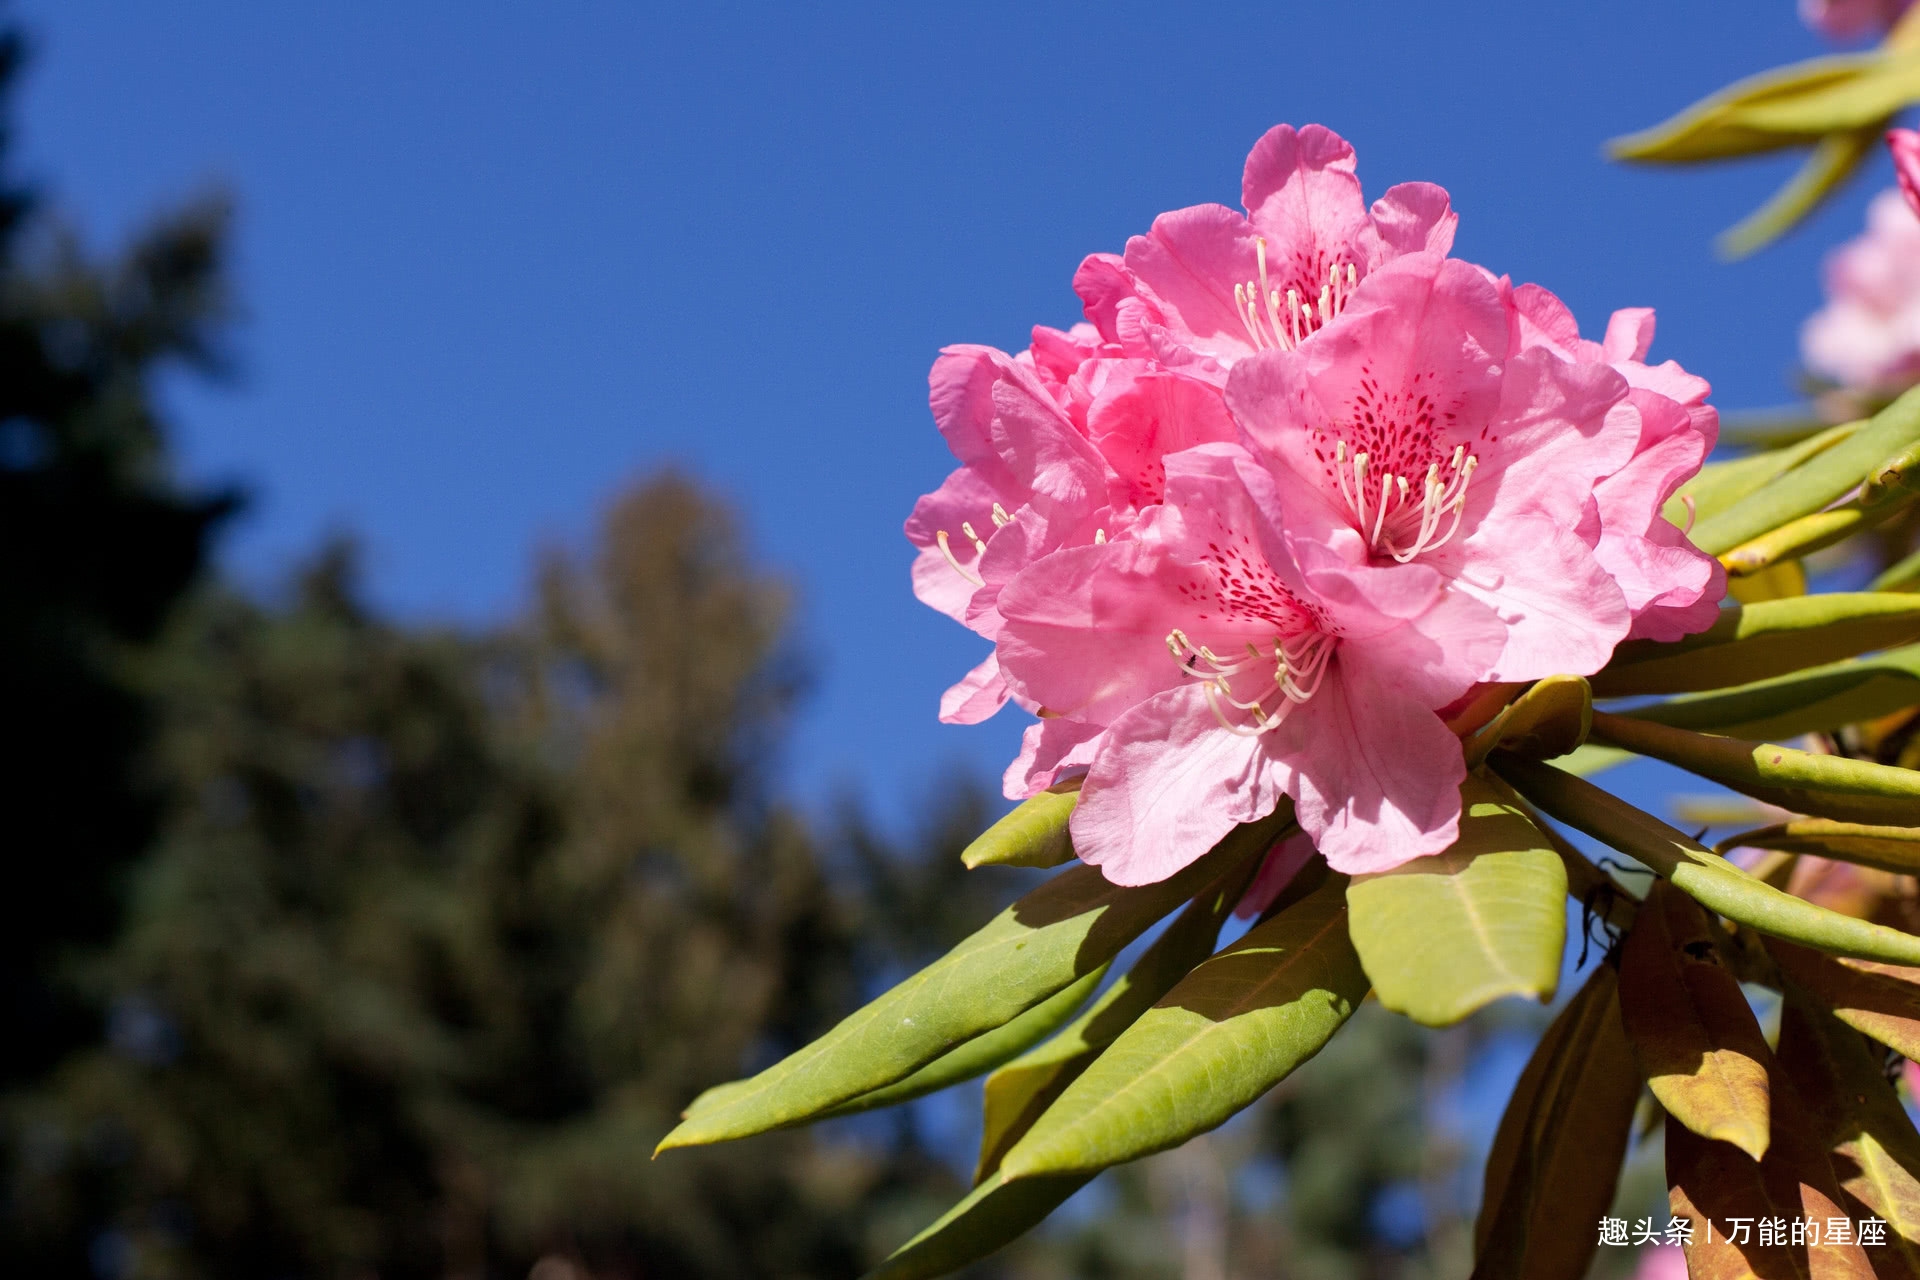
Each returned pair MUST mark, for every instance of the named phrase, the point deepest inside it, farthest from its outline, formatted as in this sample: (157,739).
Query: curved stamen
(962,570)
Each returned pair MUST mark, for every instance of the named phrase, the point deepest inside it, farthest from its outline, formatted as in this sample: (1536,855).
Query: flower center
(1000,520)
(1285,677)
(1281,321)
(1393,516)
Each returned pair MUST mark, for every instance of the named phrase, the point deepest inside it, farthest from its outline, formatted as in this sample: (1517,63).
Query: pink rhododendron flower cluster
(1300,483)
(1852,19)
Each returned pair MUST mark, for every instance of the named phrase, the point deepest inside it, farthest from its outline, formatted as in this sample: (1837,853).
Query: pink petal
(1905,146)
(1300,191)
(1168,783)
(1563,610)
(1144,419)
(1413,217)
(1282,864)
(978,695)
(1376,776)
(1050,750)
(962,497)
(1187,265)
(1629,334)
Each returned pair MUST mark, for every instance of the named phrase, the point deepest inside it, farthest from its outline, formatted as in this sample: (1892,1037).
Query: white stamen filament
(947,551)
(1400,524)
(1297,665)
(1274,331)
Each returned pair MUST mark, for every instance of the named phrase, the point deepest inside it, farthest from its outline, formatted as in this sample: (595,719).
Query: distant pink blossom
(1216,663)
(1418,430)
(1852,19)
(1905,146)
(1867,336)
(1672,588)
(1662,1262)
(1208,285)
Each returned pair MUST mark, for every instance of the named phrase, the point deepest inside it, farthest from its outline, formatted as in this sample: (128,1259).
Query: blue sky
(498,260)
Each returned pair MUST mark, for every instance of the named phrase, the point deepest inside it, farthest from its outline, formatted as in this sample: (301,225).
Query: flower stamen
(1297,664)
(947,551)
(1404,522)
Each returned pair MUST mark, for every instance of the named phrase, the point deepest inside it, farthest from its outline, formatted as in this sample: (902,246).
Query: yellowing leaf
(1693,1033)
(1895,849)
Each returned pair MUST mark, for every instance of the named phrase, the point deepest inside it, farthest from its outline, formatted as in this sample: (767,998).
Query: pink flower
(1851,19)
(1905,146)
(1867,337)
(1207,286)
(1216,662)
(1662,1262)
(1416,430)
(1059,447)
(1672,588)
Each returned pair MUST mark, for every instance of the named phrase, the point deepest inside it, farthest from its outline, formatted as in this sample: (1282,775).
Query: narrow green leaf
(1878,1000)
(1033,835)
(1550,719)
(1445,935)
(1017,1094)
(1902,575)
(1704,876)
(982,1053)
(1759,641)
(1826,697)
(1713,128)
(1693,1032)
(1895,849)
(1832,162)
(1556,1157)
(1815,483)
(1059,933)
(1227,1032)
(1719,485)
(1797,539)
(1821,785)
(1848,1104)
(993,1214)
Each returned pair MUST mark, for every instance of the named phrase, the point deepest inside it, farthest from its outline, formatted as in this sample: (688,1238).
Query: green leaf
(1059,933)
(1760,641)
(1872,1147)
(1693,1032)
(1878,1000)
(1826,697)
(1720,126)
(1832,161)
(1550,719)
(1442,936)
(1815,483)
(1556,1156)
(1895,849)
(1017,1094)
(993,1214)
(1227,1032)
(1798,539)
(1704,876)
(1719,485)
(1821,785)
(1033,835)
(982,1053)
(1902,575)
